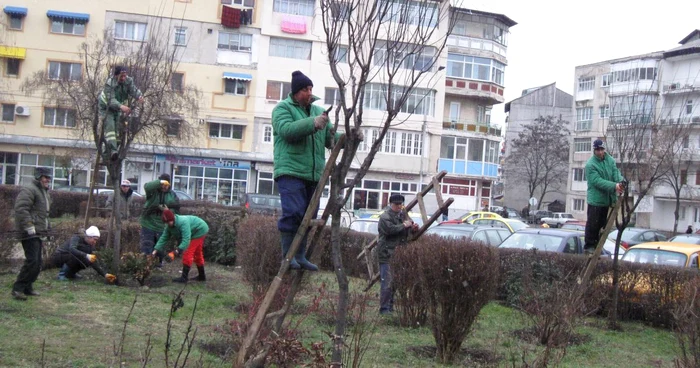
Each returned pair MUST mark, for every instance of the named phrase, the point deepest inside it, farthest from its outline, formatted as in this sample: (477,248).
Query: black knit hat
(396,198)
(164,176)
(119,69)
(42,171)
(300,81)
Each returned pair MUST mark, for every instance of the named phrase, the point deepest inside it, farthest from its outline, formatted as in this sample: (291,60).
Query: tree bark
(343,294)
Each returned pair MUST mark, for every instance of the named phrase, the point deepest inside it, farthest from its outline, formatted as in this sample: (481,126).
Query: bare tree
(540,156)
(677,137)
(162,120)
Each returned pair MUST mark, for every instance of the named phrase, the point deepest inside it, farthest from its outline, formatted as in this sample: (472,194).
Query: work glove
(30,230)
(91,258)
(320,121)
(165,182)
(407,223)
(110,278)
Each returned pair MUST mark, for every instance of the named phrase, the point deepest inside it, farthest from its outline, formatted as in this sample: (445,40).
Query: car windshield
(627,235)
(573,227)
(685,239)
(449,232)
(543,242)
(517,225)
(655,256)
(365,226)
(567,215)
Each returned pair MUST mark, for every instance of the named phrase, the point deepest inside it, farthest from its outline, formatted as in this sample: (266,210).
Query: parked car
(472,215)
(557,219)
(548,240)
(182,195)
(632,236)
(511,224)
(266,204)
(574,225)
(365,225)
(686,238)
(96,190)
(665,254)
(537,216)
(486,234)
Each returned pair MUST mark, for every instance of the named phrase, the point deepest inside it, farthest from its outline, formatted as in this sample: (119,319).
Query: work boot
(286,240)
(62,273)
(183,278)
(18,295)
(30,292)
(201,276)
(301,258)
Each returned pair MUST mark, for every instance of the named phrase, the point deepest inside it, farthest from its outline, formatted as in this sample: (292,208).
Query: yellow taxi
(511,224)
(664,254)
(473,215)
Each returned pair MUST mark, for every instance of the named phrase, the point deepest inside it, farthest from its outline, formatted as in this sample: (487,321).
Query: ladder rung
(317,223)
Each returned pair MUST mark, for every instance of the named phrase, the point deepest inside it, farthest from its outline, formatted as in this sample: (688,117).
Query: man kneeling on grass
(76,255)
(191,230)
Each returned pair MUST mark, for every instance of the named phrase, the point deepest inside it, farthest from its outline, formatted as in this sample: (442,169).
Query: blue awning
(15,10)
(238,76)
(66,15)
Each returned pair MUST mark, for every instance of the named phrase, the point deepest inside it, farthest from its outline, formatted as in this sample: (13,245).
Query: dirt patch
(221,348)
(466,357)
(529,335)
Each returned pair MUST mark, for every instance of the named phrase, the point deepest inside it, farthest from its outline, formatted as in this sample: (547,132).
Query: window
(180,36)
(8,113)
(331,97)
(684,177)
(341,54)
(63,70)
(54,116)
(500,35)
(292,49)
(586,84)
(298,7)
(584,117)
(685,142)
(129,30)
(582,145)
(419,100)
(454,111)
(177,81)
(634,74)
(681,213)
(483,115)
(492,152)
(632,109)
(16,21)
(246,3)
(371,136)
(12,67)
(340,11)
(172,128)
(235,87)
(68,26)
(604,111)
(267,133)
(412,144)
(278,90)
(404,55)
(389,142)
(423,13)
(235,41)
(578,205)
(230,131)
(266,183)
(476,150)
(605,80)
(579,174)
(697,176)
(689,107)
(469,67)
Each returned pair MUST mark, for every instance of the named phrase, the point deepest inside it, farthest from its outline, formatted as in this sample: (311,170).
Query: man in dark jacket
(159,197)
(32,220)
(393,227)
(76,255)
(302,132)
(126,193)
(604,182)
(112,102)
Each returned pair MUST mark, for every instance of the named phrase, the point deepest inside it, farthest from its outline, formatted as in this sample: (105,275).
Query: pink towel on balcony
(293,24)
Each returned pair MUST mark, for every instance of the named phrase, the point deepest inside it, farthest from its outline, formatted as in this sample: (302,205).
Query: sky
(552,37)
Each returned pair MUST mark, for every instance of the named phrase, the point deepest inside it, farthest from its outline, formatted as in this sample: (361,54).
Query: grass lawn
(80,322)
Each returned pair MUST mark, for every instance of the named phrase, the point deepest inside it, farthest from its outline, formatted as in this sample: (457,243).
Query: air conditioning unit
(22,110)
(148,166)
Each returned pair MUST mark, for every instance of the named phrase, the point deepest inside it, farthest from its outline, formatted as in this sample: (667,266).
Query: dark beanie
(164,177)
(119,69)
(396,198)
(300,81)
(168,216)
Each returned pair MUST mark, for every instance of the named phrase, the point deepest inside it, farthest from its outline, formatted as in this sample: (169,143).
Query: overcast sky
(554,36)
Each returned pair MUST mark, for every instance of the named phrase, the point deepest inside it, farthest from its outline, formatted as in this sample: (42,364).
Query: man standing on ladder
(604,181)
(112,102)
(302,132)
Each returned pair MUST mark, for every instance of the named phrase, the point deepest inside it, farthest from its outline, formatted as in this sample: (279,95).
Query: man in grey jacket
(127,194)
(32,220)
(394,226)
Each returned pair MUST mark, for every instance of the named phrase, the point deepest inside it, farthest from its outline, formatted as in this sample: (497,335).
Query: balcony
(476,44)
(491,92)
(471,127)
(681,88)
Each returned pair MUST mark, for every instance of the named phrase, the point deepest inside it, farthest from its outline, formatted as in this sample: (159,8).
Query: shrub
(457,278)
(412,308)
(220,243)
(137,265)
(259,253)
(686,315)
(351,245)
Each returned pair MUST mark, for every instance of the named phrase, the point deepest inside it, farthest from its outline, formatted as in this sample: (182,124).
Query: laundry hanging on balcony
(293,24)
(230,17)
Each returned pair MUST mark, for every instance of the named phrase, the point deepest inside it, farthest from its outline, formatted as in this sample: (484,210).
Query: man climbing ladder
(112,102)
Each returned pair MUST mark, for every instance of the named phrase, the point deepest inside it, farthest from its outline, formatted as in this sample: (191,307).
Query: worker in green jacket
(604,182)
(191,230)
(302,132)
(112,102)
(159,197)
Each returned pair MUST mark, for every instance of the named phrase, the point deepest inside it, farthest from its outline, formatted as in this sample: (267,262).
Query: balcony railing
(477,44)
(471,126)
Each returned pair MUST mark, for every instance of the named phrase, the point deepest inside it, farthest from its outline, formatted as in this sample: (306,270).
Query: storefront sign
(205,161)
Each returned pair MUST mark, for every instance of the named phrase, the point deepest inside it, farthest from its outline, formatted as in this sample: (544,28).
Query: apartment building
(658,87)
(534,102)
(244,68)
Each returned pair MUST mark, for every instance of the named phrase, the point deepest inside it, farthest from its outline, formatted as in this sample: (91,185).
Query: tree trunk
(343,294)
(114,175)
(676,212)
(612,315)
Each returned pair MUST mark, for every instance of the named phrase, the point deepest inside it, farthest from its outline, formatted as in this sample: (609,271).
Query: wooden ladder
(427,221)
